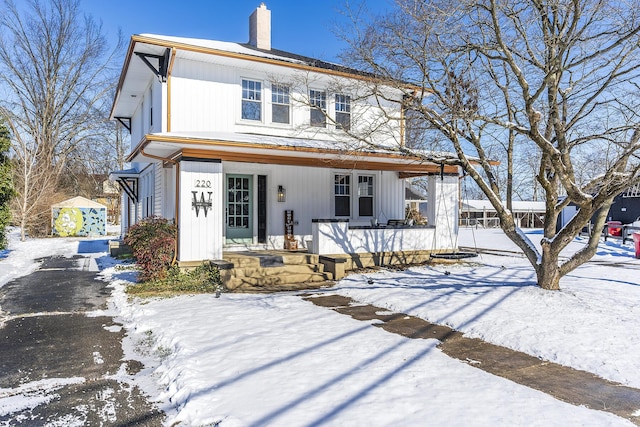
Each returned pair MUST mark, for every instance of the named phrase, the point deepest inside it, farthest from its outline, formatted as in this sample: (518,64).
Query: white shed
(527,214)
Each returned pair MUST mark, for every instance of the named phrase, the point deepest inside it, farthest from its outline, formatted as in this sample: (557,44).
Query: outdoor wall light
(282,194)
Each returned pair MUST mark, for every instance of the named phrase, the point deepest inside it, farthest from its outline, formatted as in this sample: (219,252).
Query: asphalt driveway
(61,360)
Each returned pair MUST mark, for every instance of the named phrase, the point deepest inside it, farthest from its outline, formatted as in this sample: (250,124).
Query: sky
(302,27)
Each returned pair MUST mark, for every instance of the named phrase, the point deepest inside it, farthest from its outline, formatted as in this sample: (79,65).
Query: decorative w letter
(203,204)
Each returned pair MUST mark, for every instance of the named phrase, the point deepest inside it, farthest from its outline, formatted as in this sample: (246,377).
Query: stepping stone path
(569,385)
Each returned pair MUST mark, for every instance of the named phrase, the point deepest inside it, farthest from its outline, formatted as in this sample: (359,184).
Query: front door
(239,224)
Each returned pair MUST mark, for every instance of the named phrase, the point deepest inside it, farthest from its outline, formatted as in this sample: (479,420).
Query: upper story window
(251,100)
(280,104)
(343,112)
(318,104)
(342,195)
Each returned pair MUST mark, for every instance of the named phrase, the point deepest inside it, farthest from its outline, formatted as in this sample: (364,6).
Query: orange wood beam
(364,164)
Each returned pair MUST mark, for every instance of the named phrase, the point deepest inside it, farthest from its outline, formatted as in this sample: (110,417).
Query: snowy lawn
(245,360)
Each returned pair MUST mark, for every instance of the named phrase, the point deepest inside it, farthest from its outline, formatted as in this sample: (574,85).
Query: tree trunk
(23,227)
(548,271)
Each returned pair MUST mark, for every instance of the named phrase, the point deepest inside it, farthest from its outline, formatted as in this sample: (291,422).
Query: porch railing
(331,236)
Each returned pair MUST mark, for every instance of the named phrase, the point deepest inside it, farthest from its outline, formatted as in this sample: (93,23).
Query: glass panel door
(239,222)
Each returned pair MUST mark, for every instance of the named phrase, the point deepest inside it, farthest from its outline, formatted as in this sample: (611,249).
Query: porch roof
(125,173)
(253,148)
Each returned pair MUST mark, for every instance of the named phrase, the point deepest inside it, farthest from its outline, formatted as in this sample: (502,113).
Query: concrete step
(247,259)
(300,280)
(239,286)
(285,278)
(299,258)
(242,261)
(276,271)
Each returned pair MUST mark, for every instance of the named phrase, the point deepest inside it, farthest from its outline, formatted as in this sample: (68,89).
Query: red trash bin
(636,243)
(614,228)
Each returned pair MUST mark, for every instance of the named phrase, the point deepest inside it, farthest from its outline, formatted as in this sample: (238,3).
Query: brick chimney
(260,28)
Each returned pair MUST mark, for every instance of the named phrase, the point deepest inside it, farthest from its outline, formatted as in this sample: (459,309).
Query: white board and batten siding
(392,193)
(443,209)
(146,192)
(150,115)
(309,193)
(201,95)
(168,192)
(201,211)
(159,184)
(207,97)
(331,237)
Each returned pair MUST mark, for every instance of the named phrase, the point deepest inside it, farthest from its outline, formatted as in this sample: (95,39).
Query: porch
(283,270)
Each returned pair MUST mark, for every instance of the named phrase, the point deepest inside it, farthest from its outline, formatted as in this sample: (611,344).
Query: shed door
(239,224)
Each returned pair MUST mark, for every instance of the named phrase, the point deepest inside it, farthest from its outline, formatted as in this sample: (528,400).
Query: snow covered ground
(245,360)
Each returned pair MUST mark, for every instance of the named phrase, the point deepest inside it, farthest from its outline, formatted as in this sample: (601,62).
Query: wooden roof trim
(125,67)
(232,144)
(211,51)
(418,168)
(236,55)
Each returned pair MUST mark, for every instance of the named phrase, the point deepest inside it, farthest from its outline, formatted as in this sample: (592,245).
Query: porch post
(201,210)
(442,210)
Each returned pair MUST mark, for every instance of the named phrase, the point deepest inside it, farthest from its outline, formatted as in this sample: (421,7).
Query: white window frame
(335,194)
(281,96)
(342,107)
(372,195)
(354,194)
(317,96)
(250,99)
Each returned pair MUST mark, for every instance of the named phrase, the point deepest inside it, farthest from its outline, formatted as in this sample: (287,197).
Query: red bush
(153,242)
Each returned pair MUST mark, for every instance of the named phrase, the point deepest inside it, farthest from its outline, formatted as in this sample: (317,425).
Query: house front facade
(245,146)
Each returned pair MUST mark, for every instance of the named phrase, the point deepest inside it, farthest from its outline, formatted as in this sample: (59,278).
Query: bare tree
(88,168)
(53,62)
(497,79)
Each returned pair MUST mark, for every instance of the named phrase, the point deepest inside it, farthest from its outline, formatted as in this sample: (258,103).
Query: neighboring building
(78,216)
(415,199)
(243,146)
(527,214)
(625,208)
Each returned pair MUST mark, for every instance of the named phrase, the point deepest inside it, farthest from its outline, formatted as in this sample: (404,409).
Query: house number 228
(201,183)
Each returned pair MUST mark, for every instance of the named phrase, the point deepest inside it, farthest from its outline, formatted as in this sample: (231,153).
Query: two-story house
(247,146)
